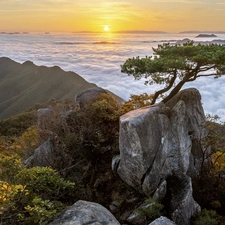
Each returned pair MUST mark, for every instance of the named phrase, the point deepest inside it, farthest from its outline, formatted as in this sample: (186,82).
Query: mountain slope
(24,85)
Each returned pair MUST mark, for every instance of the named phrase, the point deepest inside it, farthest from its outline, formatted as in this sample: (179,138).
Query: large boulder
(45,117)
(88,96)
(159,140)
(162,220)
(82,213)
(43,155)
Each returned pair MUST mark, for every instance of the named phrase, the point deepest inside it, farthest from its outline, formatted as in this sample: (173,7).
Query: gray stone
(43,155)
(88,96)
(45,116)
(153,142)
(83,212)
(115,163)
(162,220)
(182,204)
(160,192)
(136,217)
(158,140)
(140,141)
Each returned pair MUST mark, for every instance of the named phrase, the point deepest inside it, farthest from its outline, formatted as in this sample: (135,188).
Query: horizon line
(120,31)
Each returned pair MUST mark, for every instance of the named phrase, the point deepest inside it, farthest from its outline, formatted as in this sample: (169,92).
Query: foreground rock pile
(161,150)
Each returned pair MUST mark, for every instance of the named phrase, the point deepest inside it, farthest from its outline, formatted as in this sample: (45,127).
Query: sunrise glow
(75,16)
(106,28)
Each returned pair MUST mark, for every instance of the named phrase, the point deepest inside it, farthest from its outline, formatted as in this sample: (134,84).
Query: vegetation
(16,125)
(30,196)
(208,189)
(174,65)
(208,217)
(136,102)
(150,210)
(85,141)
(23,85)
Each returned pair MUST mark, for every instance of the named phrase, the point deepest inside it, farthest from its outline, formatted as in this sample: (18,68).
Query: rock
(45,116)
(88,95)
(160,192)
(139,217)
(182,204)
(140,141)
(43,155)
(82,213)
(115,163)
(158,140)
(134,218)
(196,126)
(154,141)
(162,220)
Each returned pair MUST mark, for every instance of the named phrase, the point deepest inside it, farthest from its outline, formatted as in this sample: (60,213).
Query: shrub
(150,210)
(30,196)
(207,217)
(9,167)
(44,182)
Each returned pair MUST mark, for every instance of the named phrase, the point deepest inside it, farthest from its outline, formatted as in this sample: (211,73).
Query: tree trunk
(174,91)
(156,95)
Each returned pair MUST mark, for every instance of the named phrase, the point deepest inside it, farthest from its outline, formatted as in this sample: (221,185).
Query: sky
(111,15)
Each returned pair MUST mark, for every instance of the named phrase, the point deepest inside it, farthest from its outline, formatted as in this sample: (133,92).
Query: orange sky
(93,15)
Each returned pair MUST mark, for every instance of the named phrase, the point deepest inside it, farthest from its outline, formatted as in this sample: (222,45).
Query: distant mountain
(206,35)
(197,31)
(24,85)
(142,32)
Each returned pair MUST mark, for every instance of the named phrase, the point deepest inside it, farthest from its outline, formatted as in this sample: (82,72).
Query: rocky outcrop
(182,205)
(162,220)
(159,141)
(45,117)
(88,96)
(82,213)
(43,155)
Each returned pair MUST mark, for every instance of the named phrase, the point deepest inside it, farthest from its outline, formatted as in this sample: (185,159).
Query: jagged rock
(138,216)
(45,116)
(88,95)
(182,204)
(82,213)
(134,218)
(160,192)
(162,220)
(196,126)
(115,163)
(157,140)
(43,155)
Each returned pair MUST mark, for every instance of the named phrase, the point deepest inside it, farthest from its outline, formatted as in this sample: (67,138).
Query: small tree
(174,65)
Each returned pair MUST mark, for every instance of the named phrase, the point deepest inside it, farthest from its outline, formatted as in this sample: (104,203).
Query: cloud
(100,64)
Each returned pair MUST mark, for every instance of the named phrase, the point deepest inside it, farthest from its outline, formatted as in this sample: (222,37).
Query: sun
(106,28)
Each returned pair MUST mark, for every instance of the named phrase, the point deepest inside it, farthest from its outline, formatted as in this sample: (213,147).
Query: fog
(97,58)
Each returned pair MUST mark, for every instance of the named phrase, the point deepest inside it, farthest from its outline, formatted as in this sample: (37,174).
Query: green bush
(9,167)
(207,217)
(44,182)
(150,210)
(30,196)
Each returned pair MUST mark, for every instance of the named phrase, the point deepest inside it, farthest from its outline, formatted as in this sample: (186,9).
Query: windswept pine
(174,65)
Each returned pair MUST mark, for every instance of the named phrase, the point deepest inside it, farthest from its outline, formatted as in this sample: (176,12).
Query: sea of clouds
(97,58)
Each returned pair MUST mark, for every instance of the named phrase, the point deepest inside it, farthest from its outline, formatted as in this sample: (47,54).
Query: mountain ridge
(24,85)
